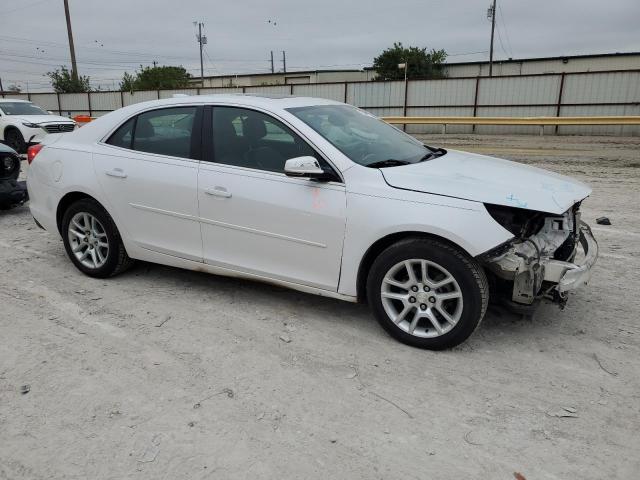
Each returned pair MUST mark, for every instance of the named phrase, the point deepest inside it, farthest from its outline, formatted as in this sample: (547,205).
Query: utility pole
(491,13)
(272,69)
(74,66)
(1,89)
(202,40)
(284,61)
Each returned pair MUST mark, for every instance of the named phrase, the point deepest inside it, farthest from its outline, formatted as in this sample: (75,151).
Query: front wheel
(427,293)
(15,140)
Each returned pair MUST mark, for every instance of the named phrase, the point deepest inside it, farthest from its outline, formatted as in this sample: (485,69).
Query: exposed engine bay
(540,261)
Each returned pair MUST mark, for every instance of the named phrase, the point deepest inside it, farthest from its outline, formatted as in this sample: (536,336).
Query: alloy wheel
(422,298)
(88,240)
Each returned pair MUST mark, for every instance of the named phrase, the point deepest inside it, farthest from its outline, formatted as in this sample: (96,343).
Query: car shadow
(247,291)
(14,211)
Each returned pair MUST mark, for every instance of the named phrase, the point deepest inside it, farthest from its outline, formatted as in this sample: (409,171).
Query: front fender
(371,218)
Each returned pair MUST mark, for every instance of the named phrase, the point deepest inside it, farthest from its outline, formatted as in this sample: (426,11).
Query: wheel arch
(66,201)
(380,245)
(8,127)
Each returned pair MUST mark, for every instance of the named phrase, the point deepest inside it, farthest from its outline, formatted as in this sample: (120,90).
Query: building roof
(293,72)
(542,59)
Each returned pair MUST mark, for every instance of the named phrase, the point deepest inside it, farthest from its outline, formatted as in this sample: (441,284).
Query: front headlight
(519,222)
(31,125)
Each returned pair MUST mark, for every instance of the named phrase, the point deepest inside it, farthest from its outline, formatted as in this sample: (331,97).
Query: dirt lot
(168,374)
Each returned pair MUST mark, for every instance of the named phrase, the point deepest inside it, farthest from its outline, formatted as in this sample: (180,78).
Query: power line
(61,45)
(506,32)
(501,44)
(7,12)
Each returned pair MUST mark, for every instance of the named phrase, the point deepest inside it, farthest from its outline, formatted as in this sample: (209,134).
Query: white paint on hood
(41,119)
(489,180)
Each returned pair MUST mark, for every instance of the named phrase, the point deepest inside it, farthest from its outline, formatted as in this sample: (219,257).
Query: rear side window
(123,136)
(166,131)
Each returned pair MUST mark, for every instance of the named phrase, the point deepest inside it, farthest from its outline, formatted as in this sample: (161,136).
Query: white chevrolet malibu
(317,196)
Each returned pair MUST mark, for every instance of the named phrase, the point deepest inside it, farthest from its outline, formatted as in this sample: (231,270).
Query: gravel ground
(168,374)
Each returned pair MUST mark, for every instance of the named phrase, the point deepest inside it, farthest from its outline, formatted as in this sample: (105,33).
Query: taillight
(32,151)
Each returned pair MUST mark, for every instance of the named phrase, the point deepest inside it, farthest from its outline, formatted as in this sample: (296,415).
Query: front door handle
(116,172)
(218,192)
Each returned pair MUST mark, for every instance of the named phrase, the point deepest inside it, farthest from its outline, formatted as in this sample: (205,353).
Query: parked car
(12,191)
(23,124)
(317,196)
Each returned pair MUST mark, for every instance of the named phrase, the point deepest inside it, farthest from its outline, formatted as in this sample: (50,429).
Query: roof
(542,59)
(267,100)
(277,104)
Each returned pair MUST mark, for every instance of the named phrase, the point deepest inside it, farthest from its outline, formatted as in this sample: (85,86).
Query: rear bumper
(570,276)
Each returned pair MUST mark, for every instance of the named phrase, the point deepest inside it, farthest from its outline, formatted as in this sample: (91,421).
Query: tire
(104,261)
(15,140)
(436,310)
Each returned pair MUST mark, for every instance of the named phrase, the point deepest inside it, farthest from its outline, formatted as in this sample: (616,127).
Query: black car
(12,192)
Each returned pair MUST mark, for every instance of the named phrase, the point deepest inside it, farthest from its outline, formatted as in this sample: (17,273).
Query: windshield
(364,138)
(21,108)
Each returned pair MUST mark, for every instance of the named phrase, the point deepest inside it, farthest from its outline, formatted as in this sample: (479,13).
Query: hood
(489,180)
(42,119)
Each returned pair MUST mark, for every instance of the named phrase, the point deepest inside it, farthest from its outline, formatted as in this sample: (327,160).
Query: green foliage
(422,64)
(155,78)
(63,81)
(128,82)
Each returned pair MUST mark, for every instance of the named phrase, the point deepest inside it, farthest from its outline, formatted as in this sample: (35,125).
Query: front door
(256,219)
(148,170)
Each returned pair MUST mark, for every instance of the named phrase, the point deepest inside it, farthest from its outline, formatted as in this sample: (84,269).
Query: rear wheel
(427,293)
(15,140)
(92,240)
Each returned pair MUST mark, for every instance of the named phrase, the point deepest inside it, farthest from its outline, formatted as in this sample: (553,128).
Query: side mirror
(303,167)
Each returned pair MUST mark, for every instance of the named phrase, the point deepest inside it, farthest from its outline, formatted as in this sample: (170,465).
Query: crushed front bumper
(527,270)
(571,276)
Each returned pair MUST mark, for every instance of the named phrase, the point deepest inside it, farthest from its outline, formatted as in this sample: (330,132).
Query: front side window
(165,131)
(364,138)
(247,138)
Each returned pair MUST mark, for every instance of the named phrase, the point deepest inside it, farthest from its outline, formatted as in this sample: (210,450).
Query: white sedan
(23,124)
(317,196)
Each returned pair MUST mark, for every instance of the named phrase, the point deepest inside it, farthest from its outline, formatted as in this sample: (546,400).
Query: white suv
(22,124)
(317,196)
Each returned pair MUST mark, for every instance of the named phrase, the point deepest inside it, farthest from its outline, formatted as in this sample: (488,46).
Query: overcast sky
(112,36)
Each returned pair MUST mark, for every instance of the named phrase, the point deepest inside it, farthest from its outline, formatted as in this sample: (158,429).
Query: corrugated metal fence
(565,94)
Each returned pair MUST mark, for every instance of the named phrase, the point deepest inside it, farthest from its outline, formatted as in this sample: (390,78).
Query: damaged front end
(549,256)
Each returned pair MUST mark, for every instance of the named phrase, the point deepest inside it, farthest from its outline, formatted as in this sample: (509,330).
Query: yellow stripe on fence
(608,120)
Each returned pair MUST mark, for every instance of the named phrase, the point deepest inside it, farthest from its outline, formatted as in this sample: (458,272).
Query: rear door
(148,170)
(255,218)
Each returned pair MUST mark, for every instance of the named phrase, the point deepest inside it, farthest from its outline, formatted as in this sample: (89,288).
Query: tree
(421,64)
(155,78)
(15,88)
(63,81)
(128,82)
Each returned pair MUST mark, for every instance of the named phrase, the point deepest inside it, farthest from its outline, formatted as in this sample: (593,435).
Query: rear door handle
(116,172)
(218,192)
